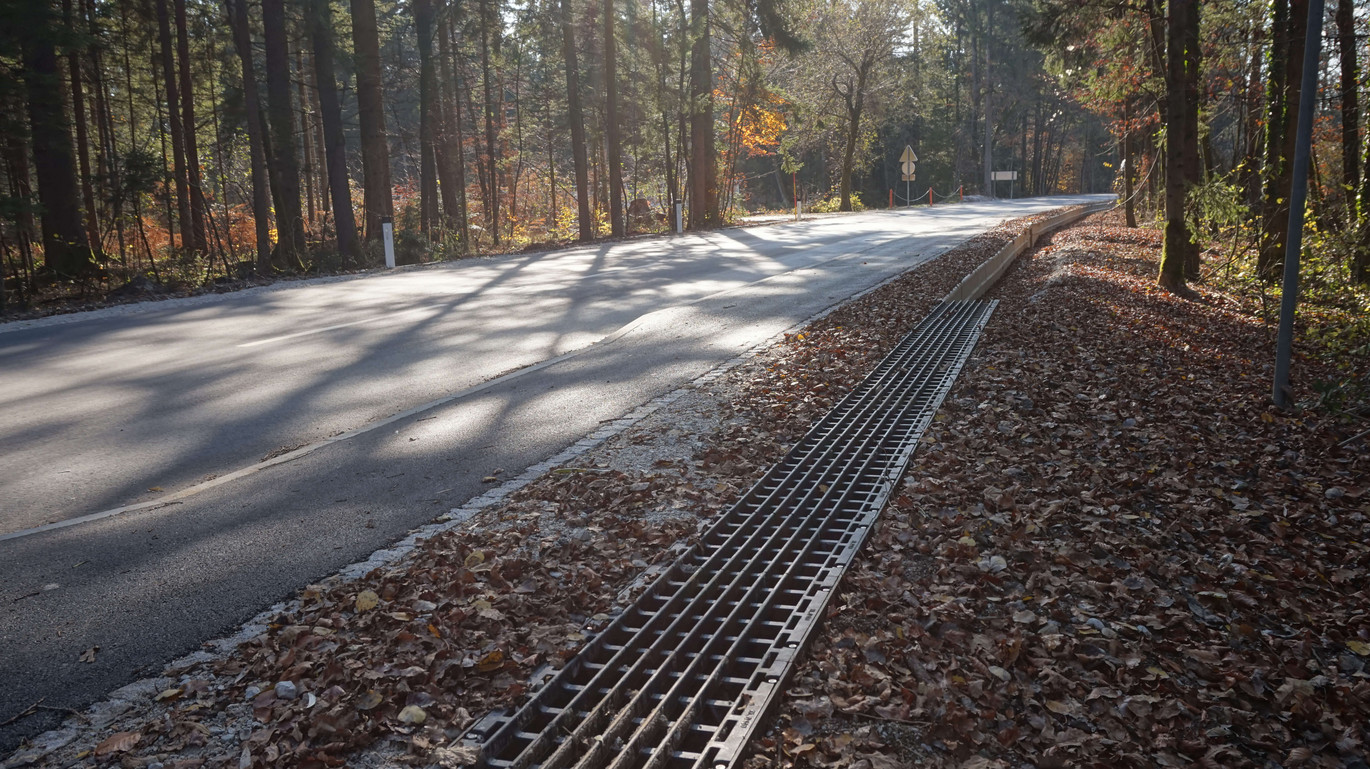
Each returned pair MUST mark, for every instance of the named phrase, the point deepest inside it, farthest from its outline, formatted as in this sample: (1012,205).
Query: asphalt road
(406,390)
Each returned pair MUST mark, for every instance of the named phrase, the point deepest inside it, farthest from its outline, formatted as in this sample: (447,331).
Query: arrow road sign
(908,156)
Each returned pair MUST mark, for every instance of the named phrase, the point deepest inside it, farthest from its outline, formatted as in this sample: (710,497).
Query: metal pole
(1289,293)
(388,235)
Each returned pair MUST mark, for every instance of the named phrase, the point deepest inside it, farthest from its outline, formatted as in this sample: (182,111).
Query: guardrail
(983,278)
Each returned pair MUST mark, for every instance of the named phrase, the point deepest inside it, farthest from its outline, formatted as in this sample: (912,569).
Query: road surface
(137,512)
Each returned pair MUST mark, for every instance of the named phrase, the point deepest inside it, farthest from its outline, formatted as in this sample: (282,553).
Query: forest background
(191,143)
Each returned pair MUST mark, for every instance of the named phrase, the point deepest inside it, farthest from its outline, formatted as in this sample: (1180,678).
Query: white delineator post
(388,236)
(679,217)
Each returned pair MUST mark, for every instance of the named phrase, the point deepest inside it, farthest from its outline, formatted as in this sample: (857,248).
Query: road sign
(1004,176)
(907,168)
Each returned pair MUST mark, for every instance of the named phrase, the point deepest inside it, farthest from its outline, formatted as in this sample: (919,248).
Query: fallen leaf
(492,661)
(1062,708)
(412,714)
(370,700)
(367,600)
(120,742)
(89,654)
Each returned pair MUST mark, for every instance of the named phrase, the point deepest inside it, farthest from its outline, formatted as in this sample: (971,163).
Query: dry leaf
(120,742)
(367,600)
(370,700)
(492,661)
(412,714)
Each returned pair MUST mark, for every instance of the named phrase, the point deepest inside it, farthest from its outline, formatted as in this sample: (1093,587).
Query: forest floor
(1109,550)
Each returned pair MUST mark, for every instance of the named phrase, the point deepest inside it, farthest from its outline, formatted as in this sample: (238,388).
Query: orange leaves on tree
(760,126)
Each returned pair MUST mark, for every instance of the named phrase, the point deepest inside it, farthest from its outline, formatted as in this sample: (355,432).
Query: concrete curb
(979,282)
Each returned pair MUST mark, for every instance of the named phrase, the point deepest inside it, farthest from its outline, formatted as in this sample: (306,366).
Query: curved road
(137,513)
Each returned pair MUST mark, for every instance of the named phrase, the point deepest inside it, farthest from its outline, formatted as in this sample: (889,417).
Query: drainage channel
(684,676)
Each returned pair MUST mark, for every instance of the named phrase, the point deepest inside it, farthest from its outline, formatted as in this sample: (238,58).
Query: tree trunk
(1288,25)
(855,98)
(1180,254)
(335,149)
(65,250)
(261,203)
(451,174)
(1129,171)
(458,152)
(78,109)
(178,155)
(15,148)
(377,199)
(1250,175)
(576,116)
(1037,131)
(615,160)
(666,162)
(704,214)
(307,146)
(988,159)
(192,147)
(428,86)
(488,20)
(285,166)
(1350,106)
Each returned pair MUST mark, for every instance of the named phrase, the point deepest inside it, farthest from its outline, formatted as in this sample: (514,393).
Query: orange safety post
(929,196)
(891,197)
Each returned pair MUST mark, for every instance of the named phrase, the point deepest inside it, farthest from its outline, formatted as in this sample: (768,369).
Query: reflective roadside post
(679,217)
(388,236)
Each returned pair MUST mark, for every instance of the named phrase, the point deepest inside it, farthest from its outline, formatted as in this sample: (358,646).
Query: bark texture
(1180,257)
(576,116)
(378,201)
(66,252)
(285,166)
(335,148)
(704,213)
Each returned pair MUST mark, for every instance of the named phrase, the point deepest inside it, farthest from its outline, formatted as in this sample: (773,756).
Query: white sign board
(1004,176)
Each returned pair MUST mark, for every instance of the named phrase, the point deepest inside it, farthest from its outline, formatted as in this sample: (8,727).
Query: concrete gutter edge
(983,278)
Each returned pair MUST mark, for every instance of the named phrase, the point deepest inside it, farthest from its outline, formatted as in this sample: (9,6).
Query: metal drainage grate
(683,676)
